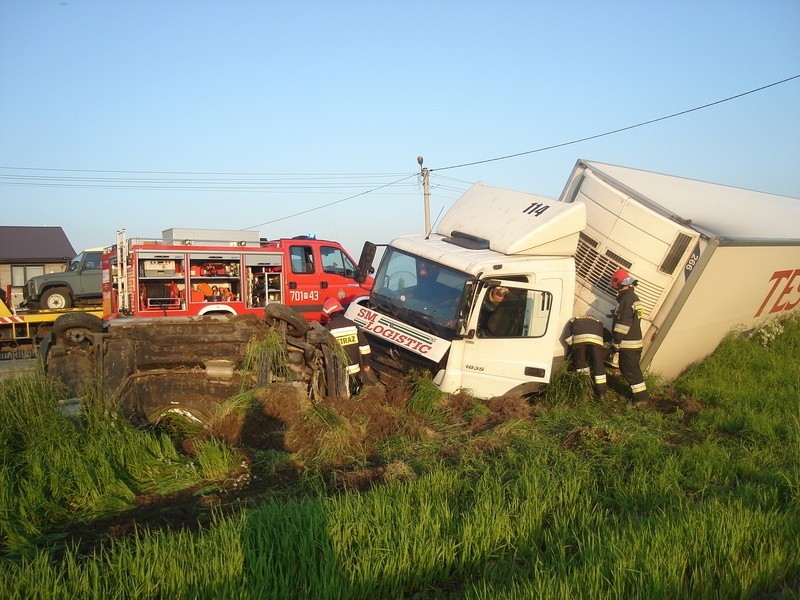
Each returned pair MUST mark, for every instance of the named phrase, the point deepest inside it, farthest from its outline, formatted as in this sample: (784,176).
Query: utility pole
(426,190)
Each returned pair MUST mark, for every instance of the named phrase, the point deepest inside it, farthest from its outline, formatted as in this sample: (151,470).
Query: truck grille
(384,353)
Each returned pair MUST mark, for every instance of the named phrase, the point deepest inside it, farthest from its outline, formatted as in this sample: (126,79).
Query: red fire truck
(207,271)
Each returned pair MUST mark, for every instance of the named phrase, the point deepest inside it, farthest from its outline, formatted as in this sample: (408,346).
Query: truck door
(509,337)
(90,275)
(303,281)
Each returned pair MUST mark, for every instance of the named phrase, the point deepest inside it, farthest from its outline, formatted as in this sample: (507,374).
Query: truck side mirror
(365,262)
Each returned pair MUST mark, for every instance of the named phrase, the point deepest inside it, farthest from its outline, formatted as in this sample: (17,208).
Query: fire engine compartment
(175,280)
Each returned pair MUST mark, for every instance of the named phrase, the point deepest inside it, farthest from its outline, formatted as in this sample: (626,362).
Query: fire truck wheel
(56,298)
(296,323)
(74,327)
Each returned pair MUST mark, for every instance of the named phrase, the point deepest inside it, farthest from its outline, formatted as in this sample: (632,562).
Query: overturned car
(185,366)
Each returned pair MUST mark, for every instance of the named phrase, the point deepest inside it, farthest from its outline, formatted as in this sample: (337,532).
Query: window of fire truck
(302,258)
(337,262)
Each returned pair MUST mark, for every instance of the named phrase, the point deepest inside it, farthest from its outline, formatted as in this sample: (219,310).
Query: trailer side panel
(741,288)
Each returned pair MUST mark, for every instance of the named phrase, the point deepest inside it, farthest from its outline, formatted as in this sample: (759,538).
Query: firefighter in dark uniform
(351,339)
(588,350)
(627,332)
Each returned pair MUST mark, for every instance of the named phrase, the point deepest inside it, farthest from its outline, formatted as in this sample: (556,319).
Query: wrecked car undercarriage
(185,366)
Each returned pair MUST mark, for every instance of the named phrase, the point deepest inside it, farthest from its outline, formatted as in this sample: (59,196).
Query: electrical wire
(303,212)
(621,129)
(294,183)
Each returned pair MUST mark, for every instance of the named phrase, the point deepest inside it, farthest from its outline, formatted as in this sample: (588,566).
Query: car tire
(296,324)
(74,327)
(56,298)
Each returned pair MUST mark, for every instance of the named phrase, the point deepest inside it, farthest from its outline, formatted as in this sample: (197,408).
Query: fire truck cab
(203,271)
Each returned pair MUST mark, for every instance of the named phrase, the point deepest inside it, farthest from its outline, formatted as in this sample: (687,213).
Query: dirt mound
(342,438)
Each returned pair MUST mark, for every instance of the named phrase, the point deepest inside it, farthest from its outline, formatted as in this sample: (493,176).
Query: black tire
(74,327)
(333,385)
(296,324)
(44,349)
(56,298)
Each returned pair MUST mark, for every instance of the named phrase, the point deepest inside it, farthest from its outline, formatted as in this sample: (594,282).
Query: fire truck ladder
(121,279)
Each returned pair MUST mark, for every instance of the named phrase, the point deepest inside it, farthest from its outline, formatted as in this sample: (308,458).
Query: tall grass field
(587,499)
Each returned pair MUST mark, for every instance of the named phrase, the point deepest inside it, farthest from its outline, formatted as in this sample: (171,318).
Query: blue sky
(150,115)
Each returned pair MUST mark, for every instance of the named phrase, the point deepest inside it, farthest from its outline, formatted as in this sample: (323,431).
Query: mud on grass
(342,441)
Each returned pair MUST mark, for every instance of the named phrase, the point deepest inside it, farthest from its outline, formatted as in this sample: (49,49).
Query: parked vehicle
(80,284)
(708,258)
(192,272)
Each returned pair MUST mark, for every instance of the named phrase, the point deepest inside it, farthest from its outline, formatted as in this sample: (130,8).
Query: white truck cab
(432,306)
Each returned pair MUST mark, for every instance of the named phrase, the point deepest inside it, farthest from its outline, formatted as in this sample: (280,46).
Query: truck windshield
(423,293)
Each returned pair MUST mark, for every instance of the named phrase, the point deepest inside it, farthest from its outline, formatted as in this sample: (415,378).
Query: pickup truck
(80,284)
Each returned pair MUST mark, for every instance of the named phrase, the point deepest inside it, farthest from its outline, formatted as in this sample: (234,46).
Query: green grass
(639,503)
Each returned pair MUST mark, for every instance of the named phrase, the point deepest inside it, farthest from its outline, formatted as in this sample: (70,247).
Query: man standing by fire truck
(352,339)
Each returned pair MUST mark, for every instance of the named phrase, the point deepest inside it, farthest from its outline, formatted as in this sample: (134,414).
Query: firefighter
(627,334)
(352,340)
(588,350)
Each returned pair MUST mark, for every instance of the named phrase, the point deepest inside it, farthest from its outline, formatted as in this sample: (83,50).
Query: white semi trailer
(708,258)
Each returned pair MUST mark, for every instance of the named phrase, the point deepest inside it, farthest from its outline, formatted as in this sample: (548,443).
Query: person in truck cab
(627,332)
(502,313)
(352,340)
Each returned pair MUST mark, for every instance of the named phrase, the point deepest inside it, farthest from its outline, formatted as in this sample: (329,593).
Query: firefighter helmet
(332,306)
(618,277)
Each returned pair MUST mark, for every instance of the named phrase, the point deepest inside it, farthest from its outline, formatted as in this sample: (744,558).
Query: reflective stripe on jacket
(585,330)
(627,327)
(352,340)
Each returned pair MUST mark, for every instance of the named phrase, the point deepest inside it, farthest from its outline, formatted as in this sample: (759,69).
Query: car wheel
(75,327)
(296,324)
(56,298)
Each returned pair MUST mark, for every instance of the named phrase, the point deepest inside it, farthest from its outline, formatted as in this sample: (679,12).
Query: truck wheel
(296,324)
(56,298)
(74,327)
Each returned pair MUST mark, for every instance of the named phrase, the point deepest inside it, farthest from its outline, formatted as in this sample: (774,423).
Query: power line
(303,212)
(607,133)
(205,173)
(296,182)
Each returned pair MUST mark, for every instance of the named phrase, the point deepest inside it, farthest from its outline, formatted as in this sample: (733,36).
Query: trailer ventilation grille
(588,240)
(675,253)
(594,271)
(649,295)
(619,259)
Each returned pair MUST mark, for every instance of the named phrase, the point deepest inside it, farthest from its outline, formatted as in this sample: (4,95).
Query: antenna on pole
(426,190)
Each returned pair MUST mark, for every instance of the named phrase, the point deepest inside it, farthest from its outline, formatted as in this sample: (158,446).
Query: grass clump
(266,359)
(56,470)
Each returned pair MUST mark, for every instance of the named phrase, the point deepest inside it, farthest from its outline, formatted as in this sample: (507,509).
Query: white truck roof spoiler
(512,222)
